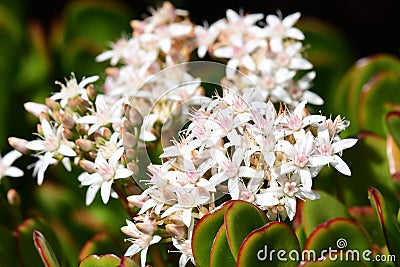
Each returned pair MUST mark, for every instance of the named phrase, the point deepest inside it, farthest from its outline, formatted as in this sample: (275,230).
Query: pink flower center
(105,171)
(294,122)
(290,188)
(51,143)
(301,159)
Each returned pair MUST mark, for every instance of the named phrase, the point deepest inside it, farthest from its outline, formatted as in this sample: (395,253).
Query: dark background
(371,26)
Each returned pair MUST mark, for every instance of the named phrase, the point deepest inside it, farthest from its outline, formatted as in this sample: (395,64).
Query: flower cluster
(82,127)
(270,56)
(238,145)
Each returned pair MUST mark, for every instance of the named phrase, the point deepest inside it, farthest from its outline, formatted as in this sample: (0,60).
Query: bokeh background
(44,41)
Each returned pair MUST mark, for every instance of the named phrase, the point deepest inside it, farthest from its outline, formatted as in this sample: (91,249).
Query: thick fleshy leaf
(99,244)
(204,233)
(393,157)
(393,125)
(365,217)
(28,254)
(382,89)
(337,234)
(369,167)
(221,254)
(364,71)
(312,215)
(263,246)
(242,217)
(387,219)
(45,251)
(108,260)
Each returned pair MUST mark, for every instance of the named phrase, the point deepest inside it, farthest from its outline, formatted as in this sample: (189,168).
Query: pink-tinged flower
(185,247)
(237,23)
(73,89)
(106,171)
(278,28)
(205,37)
(35,108)
(289,56)
(140,241)
(51,145)
(232,170)
(120,50)
(295,122)
(238,52)
(300,158)
(5,165)
(298,90)
(106,112)
(331,147)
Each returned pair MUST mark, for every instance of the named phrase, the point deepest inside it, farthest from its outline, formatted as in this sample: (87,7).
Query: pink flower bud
(146,228)
(13,197)
(35,108)
(67,121)
(178,232)
(52,104)
(137,200)
(19,144)
(84,144)
(87,165)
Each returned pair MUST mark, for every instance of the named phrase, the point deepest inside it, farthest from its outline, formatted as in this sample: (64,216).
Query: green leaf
(274,244)
(100,261)
(313,216)
(362,72)
(28,253)
(388,221)
(45,251)
(242,217)
(204,233)
(337,234)
(365,217)
(393,125)
(99,244)
(221,254)
(393,157)
(382,89)
(8,253)
(369,166)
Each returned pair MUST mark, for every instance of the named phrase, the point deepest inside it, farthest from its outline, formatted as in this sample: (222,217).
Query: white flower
(278,29)
(288,56)
(205,37)
(51,145)
(5,165)
(103,178)
(140,241)
(104,113)
(331,147)
(72,89)
(185,247)
(301,158)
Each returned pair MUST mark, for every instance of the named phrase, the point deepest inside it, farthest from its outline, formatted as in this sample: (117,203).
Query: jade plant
(208,137)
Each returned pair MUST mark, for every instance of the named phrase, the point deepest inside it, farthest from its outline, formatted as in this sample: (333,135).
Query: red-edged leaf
(221,254)
(45,251)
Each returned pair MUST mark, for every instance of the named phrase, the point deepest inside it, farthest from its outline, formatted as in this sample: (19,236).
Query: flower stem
(124,201)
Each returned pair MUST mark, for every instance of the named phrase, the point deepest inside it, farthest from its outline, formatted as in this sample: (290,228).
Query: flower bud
(137,200)
(133,167)
(146,228)
(52,104)
(135,117)
(129,140)
(87,165)
(35,108)
(107,133)
(67,121)
(13,197)
(84,144)
(130,154)
(19,144)
(68,134)
(177,220)
(91,92)
(81,104)
(178,232)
